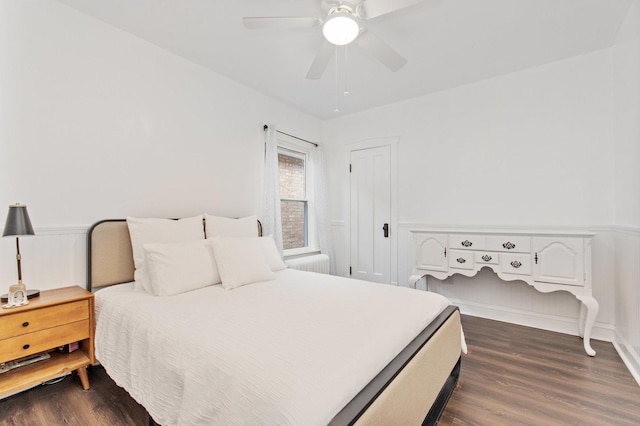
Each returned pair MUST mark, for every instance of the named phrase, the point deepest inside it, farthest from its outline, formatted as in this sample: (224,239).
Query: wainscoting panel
(627,277)
(54,257)
(487,296)
(338,233)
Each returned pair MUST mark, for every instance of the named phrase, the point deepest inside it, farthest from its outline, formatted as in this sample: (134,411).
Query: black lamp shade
(18,222)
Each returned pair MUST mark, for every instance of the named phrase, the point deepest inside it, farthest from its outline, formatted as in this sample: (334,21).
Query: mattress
(290,351)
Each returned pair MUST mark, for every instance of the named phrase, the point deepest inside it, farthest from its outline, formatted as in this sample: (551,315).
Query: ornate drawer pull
(461,260)
(516,264)
(486,258)
(27,346)
(509,245)
(466,243)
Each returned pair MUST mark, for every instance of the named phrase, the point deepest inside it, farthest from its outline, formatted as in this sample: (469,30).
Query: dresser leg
(413,281)
(582,319)
(84,377)
(592,307)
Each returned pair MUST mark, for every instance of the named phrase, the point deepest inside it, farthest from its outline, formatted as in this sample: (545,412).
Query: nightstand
(54,319)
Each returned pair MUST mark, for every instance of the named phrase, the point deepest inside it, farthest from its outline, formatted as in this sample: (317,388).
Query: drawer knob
(486,258)
(27,346)
(25,324)
(466,243)
(516,264)
(461,260)
(509,245)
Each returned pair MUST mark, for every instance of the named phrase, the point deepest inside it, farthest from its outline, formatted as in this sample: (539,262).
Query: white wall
(528,149)
(96,123)
(626,78)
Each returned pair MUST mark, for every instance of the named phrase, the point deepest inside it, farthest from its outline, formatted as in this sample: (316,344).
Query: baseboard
(629,356)
(557,324)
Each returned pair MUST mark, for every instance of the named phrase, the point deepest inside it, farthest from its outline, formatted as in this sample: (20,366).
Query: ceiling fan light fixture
(341,28)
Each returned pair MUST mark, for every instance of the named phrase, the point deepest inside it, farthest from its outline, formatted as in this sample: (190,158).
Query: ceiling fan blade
(287,22)
(381,50)
(374,8)
(321,61)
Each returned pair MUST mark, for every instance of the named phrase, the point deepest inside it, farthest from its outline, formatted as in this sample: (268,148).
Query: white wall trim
(62,230)
(629,356)
(572,228)
(627,230)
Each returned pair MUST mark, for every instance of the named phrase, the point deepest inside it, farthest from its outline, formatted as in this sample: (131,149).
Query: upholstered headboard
(109,253)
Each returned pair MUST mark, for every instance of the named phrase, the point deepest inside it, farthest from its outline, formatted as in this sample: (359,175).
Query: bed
(302,348)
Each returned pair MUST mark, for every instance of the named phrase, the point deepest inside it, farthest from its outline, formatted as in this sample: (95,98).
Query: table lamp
(18,224)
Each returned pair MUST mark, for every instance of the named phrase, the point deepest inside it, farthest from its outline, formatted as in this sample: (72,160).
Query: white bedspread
(293,351)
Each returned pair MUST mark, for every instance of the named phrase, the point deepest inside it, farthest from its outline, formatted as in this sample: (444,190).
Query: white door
(371,214)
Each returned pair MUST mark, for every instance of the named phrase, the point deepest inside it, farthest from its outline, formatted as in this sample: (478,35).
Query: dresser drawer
(509,243)
(460,259)
(519,264)
(487,257)
(38,341)
(466,242)
(38,319)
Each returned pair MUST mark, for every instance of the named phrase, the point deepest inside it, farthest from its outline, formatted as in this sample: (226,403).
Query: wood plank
(520,375)
(66,403)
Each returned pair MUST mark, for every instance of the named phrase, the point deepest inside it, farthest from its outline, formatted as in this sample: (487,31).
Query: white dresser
(548,261)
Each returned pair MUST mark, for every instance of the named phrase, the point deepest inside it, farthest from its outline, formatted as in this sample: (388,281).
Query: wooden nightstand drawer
(39,319)
(39,341)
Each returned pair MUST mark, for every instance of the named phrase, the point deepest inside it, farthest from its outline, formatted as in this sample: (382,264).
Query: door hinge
(349,168)
(349,270)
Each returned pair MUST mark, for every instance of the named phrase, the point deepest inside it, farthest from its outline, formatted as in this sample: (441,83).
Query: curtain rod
(295,137)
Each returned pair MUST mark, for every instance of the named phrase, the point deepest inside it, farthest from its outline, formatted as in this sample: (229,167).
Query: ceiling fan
(342,25)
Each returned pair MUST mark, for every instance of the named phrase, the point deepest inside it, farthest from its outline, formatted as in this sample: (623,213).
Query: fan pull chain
(336,110)
(346,87)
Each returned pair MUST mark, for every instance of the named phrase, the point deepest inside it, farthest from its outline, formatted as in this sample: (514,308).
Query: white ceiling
(458,42)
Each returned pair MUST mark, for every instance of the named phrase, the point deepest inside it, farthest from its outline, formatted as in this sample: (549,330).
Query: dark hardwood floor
(515,375)
(512,375)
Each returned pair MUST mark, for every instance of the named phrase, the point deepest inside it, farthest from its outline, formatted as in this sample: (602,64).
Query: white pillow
(271,253)
(175,268)
(154,230)
(217,226)
(240,261)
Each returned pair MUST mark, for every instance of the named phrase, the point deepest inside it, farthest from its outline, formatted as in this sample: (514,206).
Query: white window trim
(291,144)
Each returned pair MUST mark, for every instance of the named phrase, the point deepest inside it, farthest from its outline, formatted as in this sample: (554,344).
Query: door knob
(385,229)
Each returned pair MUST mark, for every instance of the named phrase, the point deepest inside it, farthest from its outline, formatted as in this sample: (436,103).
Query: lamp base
(31,293)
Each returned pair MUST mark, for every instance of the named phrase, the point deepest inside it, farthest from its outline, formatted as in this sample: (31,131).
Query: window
(294,202)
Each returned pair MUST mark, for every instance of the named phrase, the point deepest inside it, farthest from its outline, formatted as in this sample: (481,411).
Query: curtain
(270,216)
(322,207)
